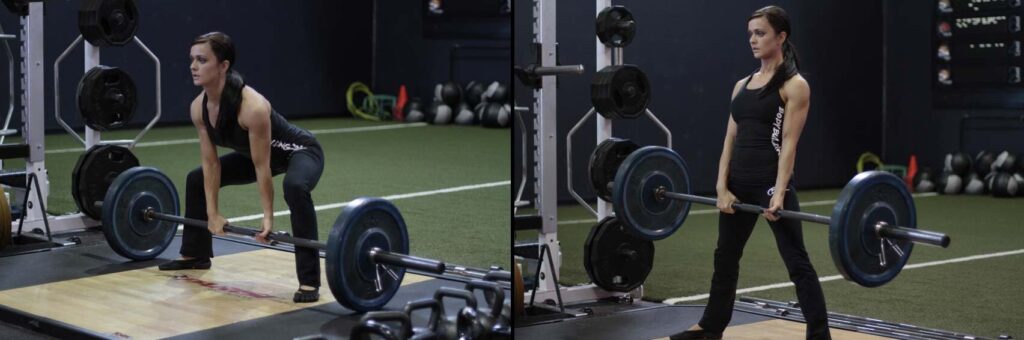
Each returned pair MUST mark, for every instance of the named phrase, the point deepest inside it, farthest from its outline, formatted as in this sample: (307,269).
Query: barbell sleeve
(407,261)
(559,70)
(913,235)
(191,222)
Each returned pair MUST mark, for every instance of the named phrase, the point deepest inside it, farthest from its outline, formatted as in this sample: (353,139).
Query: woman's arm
(254,116)
(730,137)
(210,162)
(797,97)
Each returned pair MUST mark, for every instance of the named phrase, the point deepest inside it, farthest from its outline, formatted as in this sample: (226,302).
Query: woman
(767,114)
(230,114)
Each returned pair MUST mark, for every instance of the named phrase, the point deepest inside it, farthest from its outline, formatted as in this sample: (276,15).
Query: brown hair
(779,20)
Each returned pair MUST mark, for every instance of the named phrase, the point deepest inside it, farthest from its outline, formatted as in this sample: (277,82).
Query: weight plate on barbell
(615,26)
(365,223)
(615,259)
(107,98)
(605,161)
(633,195)
(620,92)
(108,22)
(93,173)
(868,199)
(125,226)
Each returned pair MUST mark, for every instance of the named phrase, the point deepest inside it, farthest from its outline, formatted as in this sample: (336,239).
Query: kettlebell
(448,328)
(375,323)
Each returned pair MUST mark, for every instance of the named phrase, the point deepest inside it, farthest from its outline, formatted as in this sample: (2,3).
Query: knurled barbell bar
(367,250)
(871,230)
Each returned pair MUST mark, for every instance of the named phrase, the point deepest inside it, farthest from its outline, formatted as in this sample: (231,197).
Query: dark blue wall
(404,56)
(301,55)
(913,124)
(695,51)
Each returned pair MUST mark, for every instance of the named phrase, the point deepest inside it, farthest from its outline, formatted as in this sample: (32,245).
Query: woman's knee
(295,189)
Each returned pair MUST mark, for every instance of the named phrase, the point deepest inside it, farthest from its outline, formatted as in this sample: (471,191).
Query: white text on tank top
(777,130)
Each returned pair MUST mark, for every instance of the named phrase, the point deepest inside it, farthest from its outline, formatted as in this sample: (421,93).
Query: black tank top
(285,138)
(755,155)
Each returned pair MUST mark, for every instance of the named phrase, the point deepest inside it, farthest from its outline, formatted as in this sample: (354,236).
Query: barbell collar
(882,229)
(407,261)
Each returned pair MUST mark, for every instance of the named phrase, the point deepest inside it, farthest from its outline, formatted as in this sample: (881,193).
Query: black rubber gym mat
(646,322)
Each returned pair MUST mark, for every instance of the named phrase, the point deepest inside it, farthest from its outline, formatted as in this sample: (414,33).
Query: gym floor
(450,183)
(971,287)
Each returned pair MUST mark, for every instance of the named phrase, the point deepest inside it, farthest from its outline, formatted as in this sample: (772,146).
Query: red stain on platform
(221,287)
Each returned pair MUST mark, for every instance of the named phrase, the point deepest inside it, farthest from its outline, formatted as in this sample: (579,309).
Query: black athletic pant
(733,232)
(301,175)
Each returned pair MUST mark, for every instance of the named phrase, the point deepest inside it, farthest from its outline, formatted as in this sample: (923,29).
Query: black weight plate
(587,244)
(620,91)
(125,226)
(107,98)
(633,196)
(618,260)
(615,26)
(365,223)
(605,161)
(99,166)
(108,22)
(868,199)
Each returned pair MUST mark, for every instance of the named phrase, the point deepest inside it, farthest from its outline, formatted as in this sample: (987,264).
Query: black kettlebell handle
(378,318)
(363,330)
(496,300)
(435,306)
(456,293)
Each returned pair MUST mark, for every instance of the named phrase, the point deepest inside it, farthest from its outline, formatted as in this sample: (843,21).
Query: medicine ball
(975,186)
(438,113)
(1004,185)
(465,115)
(451,94)
(924,181)
(988,180)
(949,183)
(1004,162)
(496,115)
(1020,183)
(414,111)
(496,93)
(958,163)
(983,163)
(479,111)
(473,93)
(1019,165)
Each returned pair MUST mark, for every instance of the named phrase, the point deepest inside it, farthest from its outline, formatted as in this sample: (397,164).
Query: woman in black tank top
(767,115)
(230,114)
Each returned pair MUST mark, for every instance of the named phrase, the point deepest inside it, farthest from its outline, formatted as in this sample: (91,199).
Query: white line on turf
(315,132)
(391,198)
(715,211)
(837,277)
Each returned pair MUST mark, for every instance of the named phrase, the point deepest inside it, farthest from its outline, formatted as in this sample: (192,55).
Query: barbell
(367,250)
(871,231)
